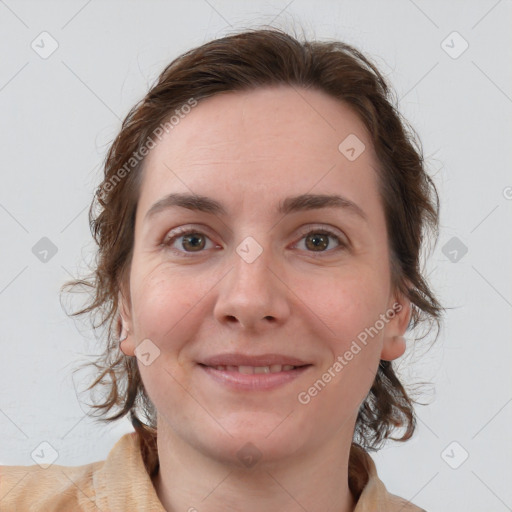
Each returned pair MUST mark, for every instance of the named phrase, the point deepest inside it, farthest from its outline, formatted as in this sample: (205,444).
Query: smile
(253,378)
(275,368)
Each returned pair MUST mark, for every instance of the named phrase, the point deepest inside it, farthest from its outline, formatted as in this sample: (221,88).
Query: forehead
(274,142)
(282,117)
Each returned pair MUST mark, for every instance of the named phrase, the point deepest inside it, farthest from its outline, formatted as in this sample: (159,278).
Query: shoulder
(57,487)
(401,504)
(372,492)
(120,482)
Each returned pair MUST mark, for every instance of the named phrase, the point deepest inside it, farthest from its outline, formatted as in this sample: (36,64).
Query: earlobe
(395,343)
(393,348)
(126,341)
(126,337)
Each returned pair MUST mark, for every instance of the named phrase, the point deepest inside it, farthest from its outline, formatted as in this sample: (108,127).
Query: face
(261,275)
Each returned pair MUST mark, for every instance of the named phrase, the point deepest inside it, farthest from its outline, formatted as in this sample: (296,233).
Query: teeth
(246,369)
(256,369)
(261,369)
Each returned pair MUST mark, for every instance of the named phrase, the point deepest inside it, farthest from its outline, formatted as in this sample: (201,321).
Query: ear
(127,345)
(394,342)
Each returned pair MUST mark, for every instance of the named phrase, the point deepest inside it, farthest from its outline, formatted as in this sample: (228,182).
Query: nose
(253,294)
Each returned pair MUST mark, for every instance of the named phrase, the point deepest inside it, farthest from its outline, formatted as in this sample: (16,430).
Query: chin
(254,440)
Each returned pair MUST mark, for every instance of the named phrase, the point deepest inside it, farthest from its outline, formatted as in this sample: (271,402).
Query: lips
(242,372)
(274,368)
(256,361)
(242,382)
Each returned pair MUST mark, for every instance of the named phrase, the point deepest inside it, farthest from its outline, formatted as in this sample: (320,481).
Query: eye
(192,241)
(318,240)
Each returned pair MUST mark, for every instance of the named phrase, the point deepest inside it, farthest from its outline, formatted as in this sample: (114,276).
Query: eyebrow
(289,205)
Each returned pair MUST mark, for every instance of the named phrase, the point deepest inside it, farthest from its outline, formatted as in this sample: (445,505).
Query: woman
(259,228)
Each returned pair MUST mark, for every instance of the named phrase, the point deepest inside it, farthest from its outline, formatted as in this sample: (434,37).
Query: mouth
(253,378)
(250,370)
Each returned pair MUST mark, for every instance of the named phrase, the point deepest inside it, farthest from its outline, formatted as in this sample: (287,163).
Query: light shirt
(122,483)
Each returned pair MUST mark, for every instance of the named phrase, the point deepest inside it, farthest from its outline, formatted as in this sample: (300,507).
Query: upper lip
(234,359)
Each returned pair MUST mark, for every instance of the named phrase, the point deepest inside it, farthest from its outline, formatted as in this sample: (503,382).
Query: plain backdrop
(450,66)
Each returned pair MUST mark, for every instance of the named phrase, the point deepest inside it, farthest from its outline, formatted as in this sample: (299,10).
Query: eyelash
(180,232)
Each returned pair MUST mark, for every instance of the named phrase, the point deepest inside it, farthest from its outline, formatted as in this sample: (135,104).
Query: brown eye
(194,241)
(185,242)
(320,241)
(317,242)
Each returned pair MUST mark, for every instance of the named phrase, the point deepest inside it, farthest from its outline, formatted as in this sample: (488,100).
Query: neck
(190,480)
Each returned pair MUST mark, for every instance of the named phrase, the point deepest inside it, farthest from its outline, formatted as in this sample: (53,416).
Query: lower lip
(253,381)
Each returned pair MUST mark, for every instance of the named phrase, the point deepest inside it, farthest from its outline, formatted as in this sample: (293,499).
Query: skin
(250,150)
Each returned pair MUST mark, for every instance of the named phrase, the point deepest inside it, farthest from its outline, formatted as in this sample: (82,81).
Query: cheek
(161,303)
(348,306)
(163,307)
(347,373)
(346,303)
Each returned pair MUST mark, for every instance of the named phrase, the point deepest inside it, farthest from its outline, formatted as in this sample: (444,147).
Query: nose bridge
(251,261)
(252,293)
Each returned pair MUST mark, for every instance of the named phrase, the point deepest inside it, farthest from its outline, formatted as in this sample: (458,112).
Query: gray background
(60,113)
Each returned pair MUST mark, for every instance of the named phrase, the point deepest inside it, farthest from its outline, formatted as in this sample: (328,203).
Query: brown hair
(244,61)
